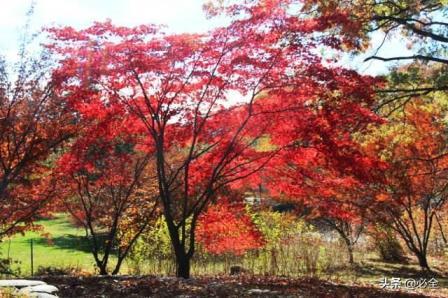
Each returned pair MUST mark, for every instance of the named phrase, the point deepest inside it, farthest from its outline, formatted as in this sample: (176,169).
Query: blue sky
(178,15)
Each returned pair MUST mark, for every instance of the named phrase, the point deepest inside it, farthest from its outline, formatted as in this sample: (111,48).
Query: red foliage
(227,228)
(34,124)
(179,89)
(104,179)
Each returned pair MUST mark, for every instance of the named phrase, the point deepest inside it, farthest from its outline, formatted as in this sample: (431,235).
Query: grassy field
(58,244)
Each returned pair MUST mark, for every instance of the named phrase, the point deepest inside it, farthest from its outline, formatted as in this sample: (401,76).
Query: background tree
(414,144)
(107,182)
(322,168)
(421,24)
(34,123)
(349,225)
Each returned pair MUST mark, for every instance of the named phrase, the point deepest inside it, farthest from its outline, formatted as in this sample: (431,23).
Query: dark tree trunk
(182,257)
(103,270)
(102,266)
(350,254)
(441,229)
(349,245)
(183,265)
(423,261)
(117,266)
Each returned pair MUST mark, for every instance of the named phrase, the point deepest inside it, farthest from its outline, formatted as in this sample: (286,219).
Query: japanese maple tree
(34,124)
(322,166)
(414,144)
(206,100)
(422,27)
(106,182)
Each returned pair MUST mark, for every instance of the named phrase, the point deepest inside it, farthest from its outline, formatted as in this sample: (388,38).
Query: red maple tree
(205,101)
(414,191)
(34,124)
(105,181)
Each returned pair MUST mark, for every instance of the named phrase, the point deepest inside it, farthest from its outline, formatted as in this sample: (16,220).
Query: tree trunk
(441,229)
(350,255)
(423,261)
(182,265)
(118,266)
(102,266)
(349,251)
(274,265)
(103,270)
(182,257)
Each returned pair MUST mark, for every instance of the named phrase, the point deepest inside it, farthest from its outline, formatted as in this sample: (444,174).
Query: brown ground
(241,286)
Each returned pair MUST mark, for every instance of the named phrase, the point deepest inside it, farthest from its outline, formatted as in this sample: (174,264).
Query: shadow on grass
(72,242)
(58,222)
(378,268)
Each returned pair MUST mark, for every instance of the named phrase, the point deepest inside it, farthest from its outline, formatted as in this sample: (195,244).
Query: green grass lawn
(65,246)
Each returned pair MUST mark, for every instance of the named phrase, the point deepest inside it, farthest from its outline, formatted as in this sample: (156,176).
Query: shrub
(9,267)
(55,271)
(152,249)
(387,245)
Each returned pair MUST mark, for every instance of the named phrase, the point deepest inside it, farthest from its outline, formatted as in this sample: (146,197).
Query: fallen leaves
(217,286)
